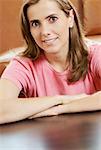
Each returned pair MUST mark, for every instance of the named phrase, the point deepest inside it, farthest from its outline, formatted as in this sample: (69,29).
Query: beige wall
(10,34)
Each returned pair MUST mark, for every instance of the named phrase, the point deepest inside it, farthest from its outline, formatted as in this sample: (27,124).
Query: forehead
(43,8)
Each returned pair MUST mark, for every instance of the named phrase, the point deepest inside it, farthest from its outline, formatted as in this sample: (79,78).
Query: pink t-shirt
(38,78)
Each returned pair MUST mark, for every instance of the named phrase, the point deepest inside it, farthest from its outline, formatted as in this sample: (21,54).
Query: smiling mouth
(49,41)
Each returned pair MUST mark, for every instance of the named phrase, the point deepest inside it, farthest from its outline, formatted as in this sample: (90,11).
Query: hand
(60,109)
(76,103)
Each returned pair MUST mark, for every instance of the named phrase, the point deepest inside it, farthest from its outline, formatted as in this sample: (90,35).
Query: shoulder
(95,57)
(26,64)
(95,51)
(21,60)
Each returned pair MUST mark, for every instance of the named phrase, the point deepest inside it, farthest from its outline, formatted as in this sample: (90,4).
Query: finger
(49,112)
(62,109)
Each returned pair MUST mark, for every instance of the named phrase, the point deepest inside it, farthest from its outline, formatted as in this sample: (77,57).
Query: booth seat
(90,16)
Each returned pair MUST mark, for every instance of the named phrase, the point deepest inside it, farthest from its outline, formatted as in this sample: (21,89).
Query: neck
(58,61)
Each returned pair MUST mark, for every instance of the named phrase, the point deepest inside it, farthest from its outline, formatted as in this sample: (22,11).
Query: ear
(71,18)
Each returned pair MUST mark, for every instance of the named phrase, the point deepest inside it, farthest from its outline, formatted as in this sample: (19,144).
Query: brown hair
(77,55)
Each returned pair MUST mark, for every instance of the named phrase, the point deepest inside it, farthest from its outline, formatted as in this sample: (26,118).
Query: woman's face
(49,26)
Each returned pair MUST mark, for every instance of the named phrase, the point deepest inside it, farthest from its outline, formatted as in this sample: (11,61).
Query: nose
(45,30)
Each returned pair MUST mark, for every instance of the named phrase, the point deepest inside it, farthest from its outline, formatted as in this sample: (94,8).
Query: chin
(52,49)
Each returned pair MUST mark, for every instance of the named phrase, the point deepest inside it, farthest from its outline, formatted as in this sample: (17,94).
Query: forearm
(87,103)
(14,110)
(17,109)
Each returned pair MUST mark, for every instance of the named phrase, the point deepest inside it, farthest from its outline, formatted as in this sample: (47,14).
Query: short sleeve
(19,72)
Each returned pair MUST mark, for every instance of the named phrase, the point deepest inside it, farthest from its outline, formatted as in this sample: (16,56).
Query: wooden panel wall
(10,34)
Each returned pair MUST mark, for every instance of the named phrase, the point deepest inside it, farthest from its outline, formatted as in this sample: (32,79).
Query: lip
(49,41)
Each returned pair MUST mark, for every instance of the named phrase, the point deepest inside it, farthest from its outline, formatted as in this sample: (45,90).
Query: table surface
(80,131)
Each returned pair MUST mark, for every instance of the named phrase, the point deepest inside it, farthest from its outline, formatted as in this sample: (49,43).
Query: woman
(56,73)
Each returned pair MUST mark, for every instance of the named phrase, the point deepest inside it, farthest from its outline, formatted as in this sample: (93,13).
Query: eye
(35,24)
(53,19)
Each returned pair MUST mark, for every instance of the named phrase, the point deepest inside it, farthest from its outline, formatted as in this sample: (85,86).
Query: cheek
(35,36)
(64,32)
(62,28)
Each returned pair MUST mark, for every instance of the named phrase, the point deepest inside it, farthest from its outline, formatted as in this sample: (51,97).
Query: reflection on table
(80,131)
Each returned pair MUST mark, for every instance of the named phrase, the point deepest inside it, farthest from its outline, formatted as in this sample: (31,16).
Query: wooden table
(80,131)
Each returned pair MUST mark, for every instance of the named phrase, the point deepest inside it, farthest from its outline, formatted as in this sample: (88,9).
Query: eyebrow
(51,16)
(35,20)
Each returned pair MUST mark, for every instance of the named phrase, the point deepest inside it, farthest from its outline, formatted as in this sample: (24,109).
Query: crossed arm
(14,109)
(72,104)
